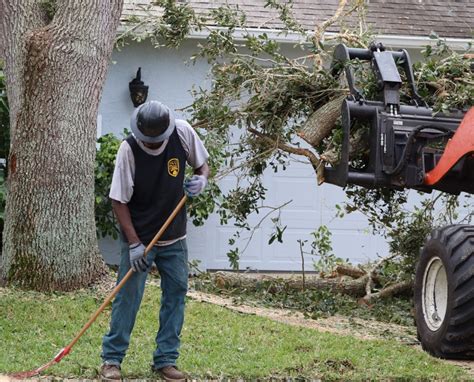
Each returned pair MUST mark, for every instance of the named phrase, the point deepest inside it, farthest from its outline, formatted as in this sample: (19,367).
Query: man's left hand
(194,186)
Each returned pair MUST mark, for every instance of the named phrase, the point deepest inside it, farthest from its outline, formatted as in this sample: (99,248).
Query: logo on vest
(173,167)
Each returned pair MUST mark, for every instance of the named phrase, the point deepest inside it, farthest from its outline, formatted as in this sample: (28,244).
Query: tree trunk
(55,73)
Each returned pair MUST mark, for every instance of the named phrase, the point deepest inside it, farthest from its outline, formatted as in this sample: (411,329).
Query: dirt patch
(356,327)
(466,365)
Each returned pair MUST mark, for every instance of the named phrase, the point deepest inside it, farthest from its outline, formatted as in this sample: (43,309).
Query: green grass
(216,343)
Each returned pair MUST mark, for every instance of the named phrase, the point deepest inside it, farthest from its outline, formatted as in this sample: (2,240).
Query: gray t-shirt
(122,185)
(121,188)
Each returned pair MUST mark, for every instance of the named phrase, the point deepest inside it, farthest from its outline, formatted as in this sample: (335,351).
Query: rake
(66,350)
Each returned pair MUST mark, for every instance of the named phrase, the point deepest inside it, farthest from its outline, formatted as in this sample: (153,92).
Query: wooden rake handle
(122,282)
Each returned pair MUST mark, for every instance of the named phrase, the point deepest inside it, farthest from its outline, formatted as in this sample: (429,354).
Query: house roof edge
(395,41)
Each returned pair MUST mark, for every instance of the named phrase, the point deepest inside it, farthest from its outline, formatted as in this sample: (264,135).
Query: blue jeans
(172,263)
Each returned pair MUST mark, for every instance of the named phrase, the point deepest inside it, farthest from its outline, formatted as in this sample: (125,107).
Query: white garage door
(310,207)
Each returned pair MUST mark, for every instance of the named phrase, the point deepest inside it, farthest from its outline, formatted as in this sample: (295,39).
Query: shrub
(104,168)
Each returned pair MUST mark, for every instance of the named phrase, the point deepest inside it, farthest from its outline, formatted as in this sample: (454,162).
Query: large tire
(444,293)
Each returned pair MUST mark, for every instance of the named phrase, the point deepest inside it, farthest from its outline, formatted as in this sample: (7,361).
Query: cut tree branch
(287,148)
(347,270)
(320,124)
(318,33)
(371,274)
(392,290)
(320,29)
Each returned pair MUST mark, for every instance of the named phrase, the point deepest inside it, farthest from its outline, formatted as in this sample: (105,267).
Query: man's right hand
(137,259)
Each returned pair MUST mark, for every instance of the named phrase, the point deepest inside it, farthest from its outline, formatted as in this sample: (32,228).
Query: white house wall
(170,80)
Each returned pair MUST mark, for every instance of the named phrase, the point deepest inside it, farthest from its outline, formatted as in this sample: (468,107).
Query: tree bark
(320,124)
(348,270)
(55,73)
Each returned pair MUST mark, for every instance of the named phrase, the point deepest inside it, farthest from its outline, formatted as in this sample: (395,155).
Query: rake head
(32,373)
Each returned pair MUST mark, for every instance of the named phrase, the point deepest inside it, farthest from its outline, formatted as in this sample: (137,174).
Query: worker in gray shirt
(147,184)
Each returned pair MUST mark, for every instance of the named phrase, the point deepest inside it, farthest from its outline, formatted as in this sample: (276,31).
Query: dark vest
(158,188)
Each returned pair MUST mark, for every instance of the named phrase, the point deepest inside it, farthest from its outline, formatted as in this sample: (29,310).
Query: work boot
(170,373)
(110,371)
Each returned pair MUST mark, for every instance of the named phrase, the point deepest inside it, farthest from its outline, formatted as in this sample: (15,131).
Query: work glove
(194,186)
(137,259)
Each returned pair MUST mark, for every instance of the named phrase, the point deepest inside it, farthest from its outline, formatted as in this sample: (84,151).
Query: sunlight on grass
(216,343)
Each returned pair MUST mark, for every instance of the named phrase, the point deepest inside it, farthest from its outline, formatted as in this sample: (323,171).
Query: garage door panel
(331,195)
(253,250)
(294,169)
(289,250)
(354,245)
(198,243)
(300,191)
(304,216)
(350,221)
(243,264)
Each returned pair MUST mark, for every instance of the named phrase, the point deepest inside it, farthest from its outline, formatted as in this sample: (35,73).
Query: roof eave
(394,41)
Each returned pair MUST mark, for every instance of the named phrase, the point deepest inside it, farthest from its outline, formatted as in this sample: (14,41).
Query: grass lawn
(216,343)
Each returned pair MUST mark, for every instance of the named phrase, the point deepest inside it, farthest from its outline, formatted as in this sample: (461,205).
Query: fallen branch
(229,280)
(371,274)
(390,291)
(347,270)
(289,149)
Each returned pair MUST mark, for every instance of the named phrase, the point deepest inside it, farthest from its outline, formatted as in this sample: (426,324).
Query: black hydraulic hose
(407,149)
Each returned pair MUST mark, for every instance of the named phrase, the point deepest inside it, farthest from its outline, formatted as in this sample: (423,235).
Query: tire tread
(458,341)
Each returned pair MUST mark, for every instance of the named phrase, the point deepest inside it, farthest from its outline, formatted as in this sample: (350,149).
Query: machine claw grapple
(404,149)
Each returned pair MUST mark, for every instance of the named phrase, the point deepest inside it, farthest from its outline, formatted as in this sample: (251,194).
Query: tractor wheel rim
(435,294)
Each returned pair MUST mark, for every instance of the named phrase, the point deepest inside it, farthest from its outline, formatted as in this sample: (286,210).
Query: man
(147,185)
